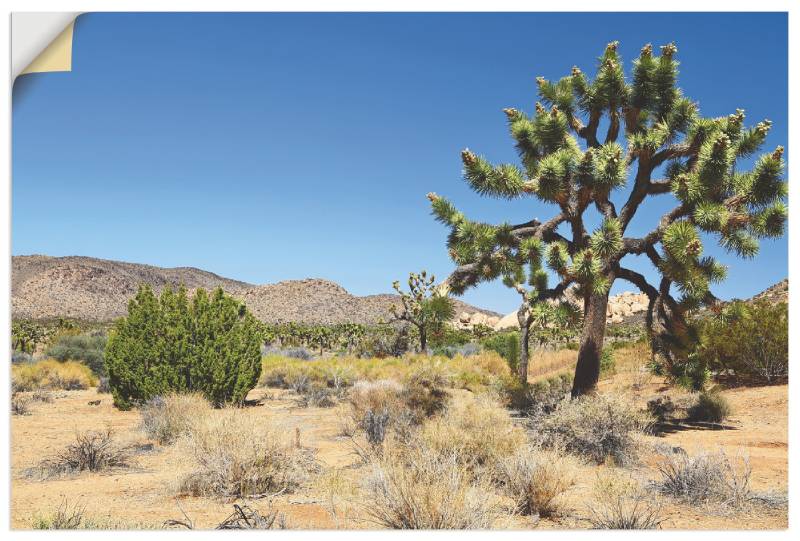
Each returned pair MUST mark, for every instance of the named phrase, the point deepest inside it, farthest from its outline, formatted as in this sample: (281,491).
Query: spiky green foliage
(567,162)
(424,305)
(210,344)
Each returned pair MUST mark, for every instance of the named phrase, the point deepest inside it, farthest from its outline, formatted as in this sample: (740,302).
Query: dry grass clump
(621,504)
(710,407)
(473,373)
(93,451)
(52,374)
(478,430)
(20,405)
(535,478)
(73,517)
(166,418)
(599,427)
(706,478)
(426,388)
(235,455)
(413,487)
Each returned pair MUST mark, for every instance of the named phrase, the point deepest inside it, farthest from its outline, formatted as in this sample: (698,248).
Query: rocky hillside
(775,294)
(90,289)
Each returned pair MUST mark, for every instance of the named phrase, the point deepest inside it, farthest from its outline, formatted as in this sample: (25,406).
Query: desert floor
(145,496)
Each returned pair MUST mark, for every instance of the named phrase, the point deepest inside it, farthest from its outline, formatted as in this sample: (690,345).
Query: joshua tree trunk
(423,339)
(587,371)
(524,319)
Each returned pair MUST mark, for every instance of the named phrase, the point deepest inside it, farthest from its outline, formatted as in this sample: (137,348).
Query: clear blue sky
(267,147)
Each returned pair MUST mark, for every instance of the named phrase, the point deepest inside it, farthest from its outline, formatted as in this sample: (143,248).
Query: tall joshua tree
(667,149)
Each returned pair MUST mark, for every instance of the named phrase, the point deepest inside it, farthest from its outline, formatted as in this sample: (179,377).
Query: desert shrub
(661,407)
(622,504)
(20,405)
(751,344)
(506,344)
(534,478)
(92,451)
(599,427)
(374,396)
(236,456)
(448,336)
(291,353)
(415,488)
(705,478)
(52,374)
(626,513)
(317,395)
(165,419)
(711,407)
(86,348)
(18,357)
(478,430)
(103,385)
(167,343)
(542,396)
(425,392)
(465,350)
(607,361)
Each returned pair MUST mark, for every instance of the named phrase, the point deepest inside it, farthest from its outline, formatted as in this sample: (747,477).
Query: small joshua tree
(424,306)
(535,312)
(566,162)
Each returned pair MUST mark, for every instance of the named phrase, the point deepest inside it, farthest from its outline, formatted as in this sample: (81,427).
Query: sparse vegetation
(165,419)
(621,504)
(413,487)
(235,456)
(477,430)
(85,348)
(52,374)
(92,451)
(535,478)
(705,478)
(599,428)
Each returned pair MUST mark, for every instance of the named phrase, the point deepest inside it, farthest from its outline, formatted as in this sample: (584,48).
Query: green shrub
(749,342)
(507,345)
(710,407)
(210,345)
(607,363)
(85,348)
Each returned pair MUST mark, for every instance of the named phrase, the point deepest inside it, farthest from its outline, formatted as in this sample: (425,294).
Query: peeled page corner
(57,56)
(41,42)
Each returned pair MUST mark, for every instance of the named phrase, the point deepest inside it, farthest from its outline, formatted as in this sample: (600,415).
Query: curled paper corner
(41,42)
(57,56)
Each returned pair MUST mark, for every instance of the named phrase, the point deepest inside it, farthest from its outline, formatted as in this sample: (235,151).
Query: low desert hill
(90,289)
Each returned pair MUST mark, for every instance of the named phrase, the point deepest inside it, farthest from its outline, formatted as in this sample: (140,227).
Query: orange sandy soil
(145,495)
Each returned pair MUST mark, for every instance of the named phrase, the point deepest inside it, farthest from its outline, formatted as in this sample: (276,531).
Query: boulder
(508,321)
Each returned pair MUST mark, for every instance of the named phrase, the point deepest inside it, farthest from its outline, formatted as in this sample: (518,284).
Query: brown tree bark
(524,319)
(587,371)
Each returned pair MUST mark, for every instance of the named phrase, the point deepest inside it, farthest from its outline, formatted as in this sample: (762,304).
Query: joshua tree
(534,312)
(423,306)
(565,161)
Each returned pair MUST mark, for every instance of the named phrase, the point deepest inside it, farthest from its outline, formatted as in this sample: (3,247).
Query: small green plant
(711,407)
(506,344)
(607,362)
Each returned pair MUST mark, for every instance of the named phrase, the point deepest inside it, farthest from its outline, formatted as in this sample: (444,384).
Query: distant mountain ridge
(92,289)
